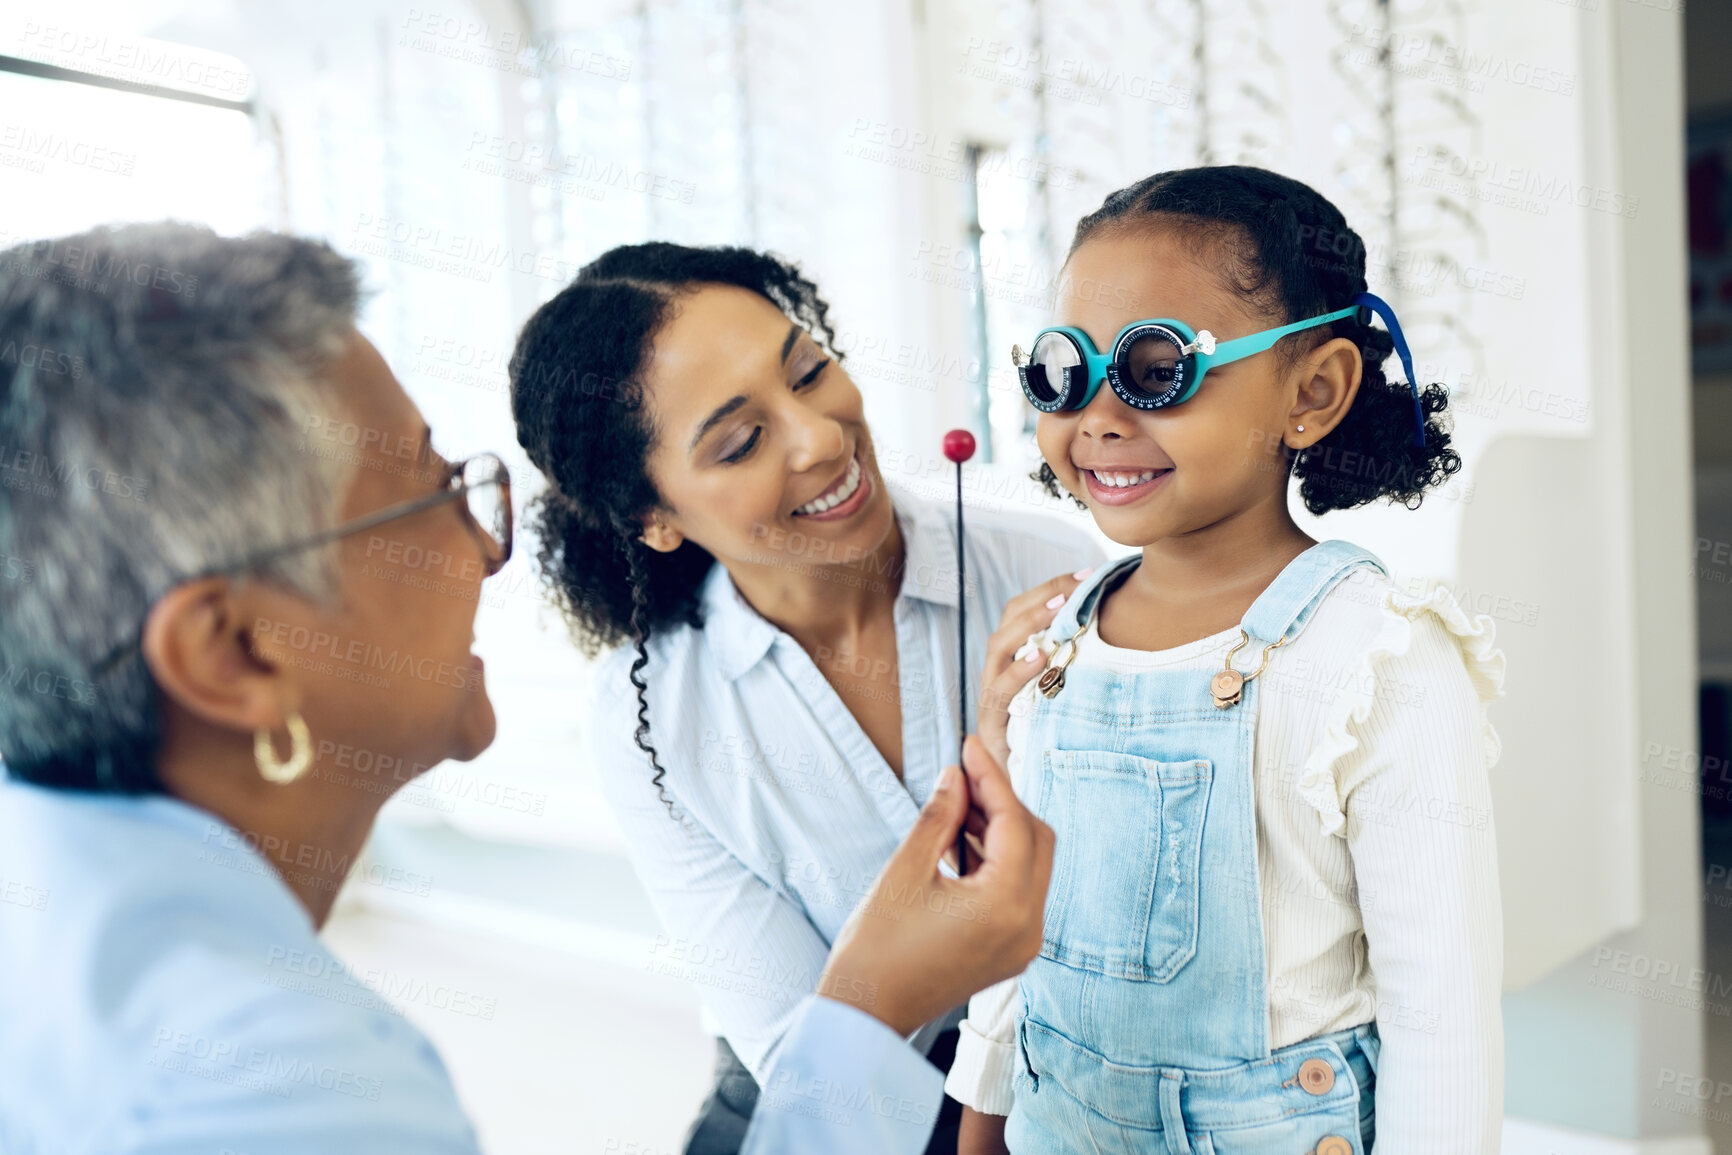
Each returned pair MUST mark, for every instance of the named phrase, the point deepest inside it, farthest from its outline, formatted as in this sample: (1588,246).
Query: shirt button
(1317,1077)
(1334,1145)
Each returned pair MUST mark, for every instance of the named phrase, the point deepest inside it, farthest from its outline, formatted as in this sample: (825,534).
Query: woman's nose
(488,510)
(493,552)
(817,438)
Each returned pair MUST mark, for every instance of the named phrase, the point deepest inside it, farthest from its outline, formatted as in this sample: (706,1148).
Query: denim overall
(1145,1024)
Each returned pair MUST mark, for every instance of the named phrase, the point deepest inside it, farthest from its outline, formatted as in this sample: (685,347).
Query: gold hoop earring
(300,752)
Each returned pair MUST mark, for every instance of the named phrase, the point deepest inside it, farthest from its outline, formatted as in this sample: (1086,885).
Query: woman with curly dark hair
(1264,759)
(779,703)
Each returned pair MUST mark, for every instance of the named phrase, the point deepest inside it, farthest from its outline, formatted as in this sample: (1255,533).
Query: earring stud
(1301,429)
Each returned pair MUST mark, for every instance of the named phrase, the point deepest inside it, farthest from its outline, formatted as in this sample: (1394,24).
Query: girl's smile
(1124,485)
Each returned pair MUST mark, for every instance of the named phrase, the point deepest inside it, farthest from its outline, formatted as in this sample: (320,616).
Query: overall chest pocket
(1125,889)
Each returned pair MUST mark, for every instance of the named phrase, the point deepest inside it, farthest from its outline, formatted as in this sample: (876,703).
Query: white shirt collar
(739,636)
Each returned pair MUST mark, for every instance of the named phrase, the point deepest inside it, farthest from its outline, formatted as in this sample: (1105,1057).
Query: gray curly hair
(157,385)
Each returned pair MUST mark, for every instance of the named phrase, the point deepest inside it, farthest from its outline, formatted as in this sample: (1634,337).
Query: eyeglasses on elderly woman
(481,482)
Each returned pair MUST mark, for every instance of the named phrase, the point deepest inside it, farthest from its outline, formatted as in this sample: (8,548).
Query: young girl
(1274,922)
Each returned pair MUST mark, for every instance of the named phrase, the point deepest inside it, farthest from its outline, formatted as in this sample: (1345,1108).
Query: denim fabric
(1255,1108)
(1145,1018)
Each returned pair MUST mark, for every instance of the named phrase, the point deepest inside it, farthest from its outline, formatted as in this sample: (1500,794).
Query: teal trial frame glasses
(1161,361)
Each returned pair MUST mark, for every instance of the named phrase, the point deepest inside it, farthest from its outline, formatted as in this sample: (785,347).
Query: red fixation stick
(959,447)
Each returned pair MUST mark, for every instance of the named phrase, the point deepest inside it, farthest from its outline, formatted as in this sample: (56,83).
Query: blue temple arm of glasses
(1381,307)
(1240,348)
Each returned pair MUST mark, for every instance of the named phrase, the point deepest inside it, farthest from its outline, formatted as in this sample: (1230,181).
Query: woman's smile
(844,498)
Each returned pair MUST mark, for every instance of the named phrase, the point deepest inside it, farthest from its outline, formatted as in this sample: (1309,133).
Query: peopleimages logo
(54,146)
(140,60)
(1411,48)
(1435,167)
(356,658)
(229,1061)
(87,268)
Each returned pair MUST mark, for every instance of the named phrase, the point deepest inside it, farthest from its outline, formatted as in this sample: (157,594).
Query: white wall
(1581,1050)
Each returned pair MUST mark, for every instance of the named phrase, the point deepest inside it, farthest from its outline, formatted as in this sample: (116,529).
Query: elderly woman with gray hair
(189,629)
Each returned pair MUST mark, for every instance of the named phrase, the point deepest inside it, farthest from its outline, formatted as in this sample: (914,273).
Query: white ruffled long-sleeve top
(1376,854)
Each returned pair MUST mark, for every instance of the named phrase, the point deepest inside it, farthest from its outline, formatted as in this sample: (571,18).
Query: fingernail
(1080,574)
(1055,601)
(1033,656)
(947,778)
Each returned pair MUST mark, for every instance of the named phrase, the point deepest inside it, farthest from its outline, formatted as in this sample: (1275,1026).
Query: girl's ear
(1328,381)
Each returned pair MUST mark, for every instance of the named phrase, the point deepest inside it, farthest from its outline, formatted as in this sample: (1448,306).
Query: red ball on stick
(959,445)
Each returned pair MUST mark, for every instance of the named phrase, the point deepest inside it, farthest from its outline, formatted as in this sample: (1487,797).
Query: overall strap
(1282,610)
(1083,599)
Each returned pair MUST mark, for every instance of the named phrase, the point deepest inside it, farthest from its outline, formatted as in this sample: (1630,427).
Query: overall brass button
(1317,1077)
(1227,687)
(1334,1145)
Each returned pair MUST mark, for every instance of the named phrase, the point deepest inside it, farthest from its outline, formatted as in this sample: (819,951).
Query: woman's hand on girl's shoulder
(1004,672)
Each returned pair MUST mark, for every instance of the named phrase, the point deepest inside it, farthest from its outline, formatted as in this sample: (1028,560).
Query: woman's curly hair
(1290,252)
(577,397)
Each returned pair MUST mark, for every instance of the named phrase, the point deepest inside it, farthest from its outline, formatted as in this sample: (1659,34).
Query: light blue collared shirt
(162,992)
(788,811)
